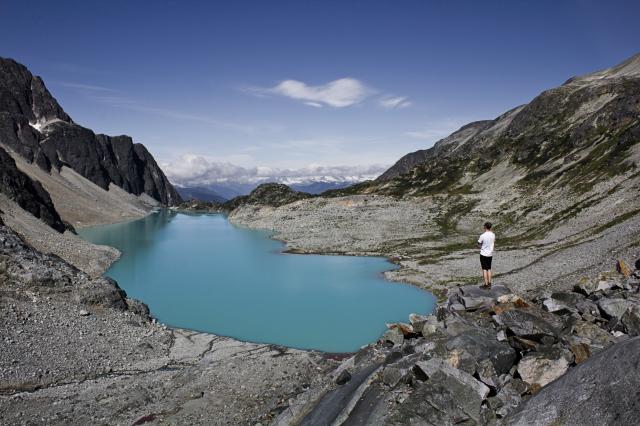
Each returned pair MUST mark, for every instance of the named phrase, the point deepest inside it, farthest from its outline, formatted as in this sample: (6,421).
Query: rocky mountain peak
(34,126)
(22,93)
(627,68)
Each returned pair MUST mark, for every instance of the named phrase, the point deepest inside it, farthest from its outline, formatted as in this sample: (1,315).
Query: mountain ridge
(34,125)
(575,134)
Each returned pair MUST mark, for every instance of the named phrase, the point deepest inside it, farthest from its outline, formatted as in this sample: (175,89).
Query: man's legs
(485,276)
(488,279)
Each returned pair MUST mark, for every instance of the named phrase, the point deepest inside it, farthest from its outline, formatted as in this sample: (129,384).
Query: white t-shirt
(486,240)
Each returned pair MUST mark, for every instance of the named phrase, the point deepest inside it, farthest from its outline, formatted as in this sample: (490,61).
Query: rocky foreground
(492,357)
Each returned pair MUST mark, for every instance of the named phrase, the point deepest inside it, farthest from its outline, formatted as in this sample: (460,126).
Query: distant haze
(198,171)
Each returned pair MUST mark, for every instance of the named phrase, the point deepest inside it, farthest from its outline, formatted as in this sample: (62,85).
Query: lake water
(202,273)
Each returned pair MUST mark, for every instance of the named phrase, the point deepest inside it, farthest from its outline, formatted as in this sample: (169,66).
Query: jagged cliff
(28,194)
(34,125)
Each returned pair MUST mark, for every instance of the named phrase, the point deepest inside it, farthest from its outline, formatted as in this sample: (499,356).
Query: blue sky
(264,85)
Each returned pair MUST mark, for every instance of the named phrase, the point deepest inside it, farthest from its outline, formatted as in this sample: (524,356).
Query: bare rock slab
(602,390)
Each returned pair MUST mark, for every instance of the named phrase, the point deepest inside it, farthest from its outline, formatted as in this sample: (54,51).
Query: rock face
(29,194)
(602,390)
(33,125)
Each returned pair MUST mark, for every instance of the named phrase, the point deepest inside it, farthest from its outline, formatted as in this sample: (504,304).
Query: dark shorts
(485,262)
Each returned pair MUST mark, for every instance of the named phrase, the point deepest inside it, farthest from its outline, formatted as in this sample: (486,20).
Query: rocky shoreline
(487,356)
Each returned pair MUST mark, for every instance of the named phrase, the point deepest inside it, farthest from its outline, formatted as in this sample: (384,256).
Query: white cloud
(339,93)
(394,102)
(198,170)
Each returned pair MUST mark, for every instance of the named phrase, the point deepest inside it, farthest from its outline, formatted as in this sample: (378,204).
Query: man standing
(485,242)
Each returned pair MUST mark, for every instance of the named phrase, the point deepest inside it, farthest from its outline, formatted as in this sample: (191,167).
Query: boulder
(586,287)
(505,401)
(613,308)
(587,307)
(473,297)
(605,285)
(487,373)
(601,391)
(513,299)
(631,320)
(569,299)
(441,400)
(394,336)
(482,344)
(596,335)
(539,369)
(529,324)
(462,360)
(429,329)
(437,366)
(455,325)
(418,321)
(523,345)
(556,307)
(475,303)
(405,329)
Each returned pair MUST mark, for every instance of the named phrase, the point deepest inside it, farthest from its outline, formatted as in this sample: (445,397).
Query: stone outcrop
(29,194)
(601,391)
(33,125)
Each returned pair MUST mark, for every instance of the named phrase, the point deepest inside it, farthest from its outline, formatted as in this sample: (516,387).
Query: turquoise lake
(202,273)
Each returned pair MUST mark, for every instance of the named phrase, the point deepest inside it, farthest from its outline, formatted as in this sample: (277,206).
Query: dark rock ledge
(492,357)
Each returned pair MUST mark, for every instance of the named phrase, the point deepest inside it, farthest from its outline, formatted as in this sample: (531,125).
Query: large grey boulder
(631,320)
(613,308)
(530,324)
(448,396)
(482,345)
(601,391)
(539,369)
(595,335)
